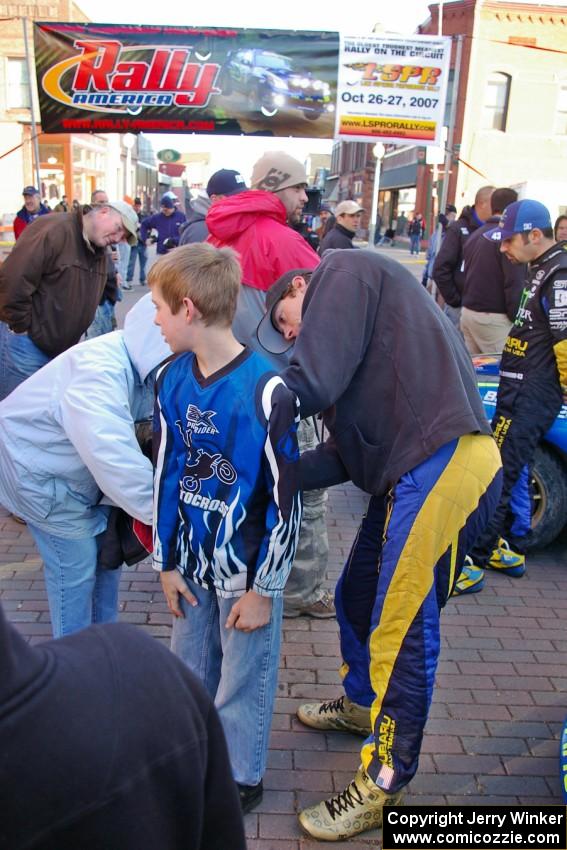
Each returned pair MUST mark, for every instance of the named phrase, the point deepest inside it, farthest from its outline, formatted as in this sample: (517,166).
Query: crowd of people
(248,345)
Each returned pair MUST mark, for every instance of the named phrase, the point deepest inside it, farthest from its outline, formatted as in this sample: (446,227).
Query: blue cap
(167,203)
(30,190)
(520,217)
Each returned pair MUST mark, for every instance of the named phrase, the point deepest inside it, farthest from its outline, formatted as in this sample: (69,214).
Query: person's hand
(173,585)
(251,612)
(119,280)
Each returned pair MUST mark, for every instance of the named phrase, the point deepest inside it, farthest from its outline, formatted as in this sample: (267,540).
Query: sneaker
(356,809)
(506,561)
(250,796)
(126,286)
(471,579)
(340,715)
(321,609)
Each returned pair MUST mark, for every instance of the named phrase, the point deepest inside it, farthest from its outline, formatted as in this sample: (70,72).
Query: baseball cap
(129,220)
(167,203)
(226,182)
(30,190)
(268,335)
(277,170)
(520,217)
(348,208)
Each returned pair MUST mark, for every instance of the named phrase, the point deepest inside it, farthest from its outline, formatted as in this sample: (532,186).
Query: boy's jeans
(78,593)
(19,358)
(240,672)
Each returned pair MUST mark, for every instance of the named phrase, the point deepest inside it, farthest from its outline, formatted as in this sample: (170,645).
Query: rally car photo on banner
(117,78)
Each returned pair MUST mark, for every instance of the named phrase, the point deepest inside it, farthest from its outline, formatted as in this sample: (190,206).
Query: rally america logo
(109,78)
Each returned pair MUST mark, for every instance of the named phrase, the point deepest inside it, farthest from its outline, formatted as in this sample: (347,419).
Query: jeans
(139,251)
(123,259)
(19,358)
(78,593)
(103,322)
(415,239)
(240,672)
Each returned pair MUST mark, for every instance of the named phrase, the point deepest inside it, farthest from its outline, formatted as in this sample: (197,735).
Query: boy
(227,507)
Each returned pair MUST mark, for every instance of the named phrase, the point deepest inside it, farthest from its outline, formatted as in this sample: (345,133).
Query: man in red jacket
(256,224)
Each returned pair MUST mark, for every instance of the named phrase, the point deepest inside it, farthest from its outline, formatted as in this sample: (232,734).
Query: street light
(378,150)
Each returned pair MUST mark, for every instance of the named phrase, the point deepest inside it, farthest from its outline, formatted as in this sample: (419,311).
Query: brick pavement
(500,700)
(494,727)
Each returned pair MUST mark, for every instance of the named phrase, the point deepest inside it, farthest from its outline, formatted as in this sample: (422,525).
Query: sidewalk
(492,736)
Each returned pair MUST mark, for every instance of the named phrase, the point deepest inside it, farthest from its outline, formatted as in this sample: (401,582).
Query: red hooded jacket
(254,224)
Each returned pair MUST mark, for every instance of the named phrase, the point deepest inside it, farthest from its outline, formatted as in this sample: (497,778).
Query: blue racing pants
(401,570)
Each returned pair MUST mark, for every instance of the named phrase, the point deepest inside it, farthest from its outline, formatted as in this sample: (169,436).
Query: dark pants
(519,425)
(401,571)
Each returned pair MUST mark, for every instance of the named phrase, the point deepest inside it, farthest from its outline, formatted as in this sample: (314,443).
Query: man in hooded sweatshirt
(68,444)
(256,223)
(221,185)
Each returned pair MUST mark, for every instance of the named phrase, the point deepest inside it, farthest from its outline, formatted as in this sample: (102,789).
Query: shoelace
(347,799)
(334,705)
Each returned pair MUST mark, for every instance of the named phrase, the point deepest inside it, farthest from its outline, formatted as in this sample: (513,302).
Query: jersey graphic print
(227,503)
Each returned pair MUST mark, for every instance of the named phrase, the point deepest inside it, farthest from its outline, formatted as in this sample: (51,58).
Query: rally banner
(120,79)
(392,89)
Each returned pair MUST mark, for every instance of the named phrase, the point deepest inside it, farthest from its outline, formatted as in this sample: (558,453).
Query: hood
(199,207)
(144,342)
(233,215)
(468,218)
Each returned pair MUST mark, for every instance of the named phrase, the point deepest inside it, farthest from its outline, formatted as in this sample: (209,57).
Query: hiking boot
(471,579)
(250,796)
(356,809)
(321,609)
(506,561)
(340,715)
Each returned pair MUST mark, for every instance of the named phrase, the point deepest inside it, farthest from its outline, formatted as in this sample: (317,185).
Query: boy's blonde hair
(209,276)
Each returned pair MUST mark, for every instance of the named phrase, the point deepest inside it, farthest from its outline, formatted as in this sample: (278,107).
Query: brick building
(69,163)
(511,117)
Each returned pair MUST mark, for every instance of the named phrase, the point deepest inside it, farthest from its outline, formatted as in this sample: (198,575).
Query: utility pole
(32,107)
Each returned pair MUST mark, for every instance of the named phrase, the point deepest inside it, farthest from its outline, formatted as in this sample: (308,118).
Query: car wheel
(312,116)
(253,101)
(549,492)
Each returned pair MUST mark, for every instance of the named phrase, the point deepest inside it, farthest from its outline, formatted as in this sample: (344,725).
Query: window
(561,114)
(18,93)
(497,94)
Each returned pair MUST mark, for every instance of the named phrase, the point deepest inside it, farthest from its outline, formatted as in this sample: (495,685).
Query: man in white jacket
(68,450)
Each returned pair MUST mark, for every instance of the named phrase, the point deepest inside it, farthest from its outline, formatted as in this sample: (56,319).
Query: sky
(402,16)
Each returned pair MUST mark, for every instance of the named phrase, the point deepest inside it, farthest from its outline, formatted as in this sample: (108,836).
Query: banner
(124,79)
(393,89)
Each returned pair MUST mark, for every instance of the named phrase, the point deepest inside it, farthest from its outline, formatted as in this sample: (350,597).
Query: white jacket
(67,435)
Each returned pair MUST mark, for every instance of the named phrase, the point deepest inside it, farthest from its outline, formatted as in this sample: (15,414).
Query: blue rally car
(271,84)
(549,474)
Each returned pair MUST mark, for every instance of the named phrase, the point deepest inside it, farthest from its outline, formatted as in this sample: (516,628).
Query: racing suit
(533,379)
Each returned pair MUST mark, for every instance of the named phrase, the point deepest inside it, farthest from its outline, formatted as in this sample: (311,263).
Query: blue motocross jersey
(227,506)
